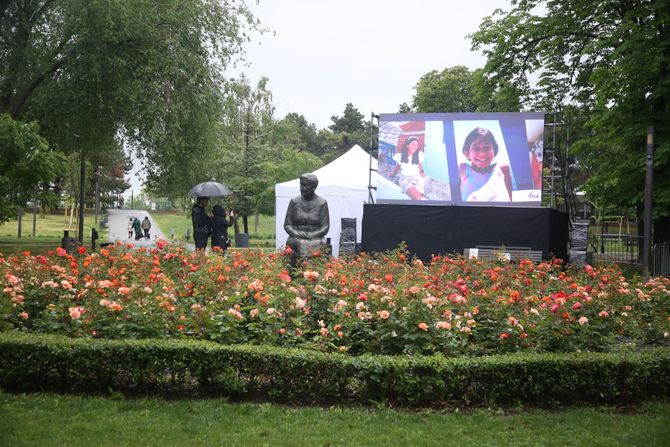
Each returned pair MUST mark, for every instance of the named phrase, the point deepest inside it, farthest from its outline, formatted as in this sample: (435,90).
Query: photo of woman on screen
(410,165)
(482,178)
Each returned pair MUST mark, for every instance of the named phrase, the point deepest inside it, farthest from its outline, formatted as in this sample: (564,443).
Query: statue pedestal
(304,248)
(242,240)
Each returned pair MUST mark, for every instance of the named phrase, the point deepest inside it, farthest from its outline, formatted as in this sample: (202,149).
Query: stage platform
(429,230)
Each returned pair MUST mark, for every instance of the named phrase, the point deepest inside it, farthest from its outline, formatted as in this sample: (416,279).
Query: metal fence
(662,258)
(627,249)
(621,248)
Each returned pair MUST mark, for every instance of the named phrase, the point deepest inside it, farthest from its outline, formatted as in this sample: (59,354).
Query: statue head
(308,184)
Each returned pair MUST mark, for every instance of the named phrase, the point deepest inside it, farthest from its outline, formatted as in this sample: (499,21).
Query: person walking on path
(146,226)
(130,228)
(118,227)
(138,229)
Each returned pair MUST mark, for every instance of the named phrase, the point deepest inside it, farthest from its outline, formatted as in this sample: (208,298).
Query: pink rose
(116,307)
(76,312)
(443,325)
(383,314)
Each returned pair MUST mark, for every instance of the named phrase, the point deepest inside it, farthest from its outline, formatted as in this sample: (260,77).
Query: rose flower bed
(384,304)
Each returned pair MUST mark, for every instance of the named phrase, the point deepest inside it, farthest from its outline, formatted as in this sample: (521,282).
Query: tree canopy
(458,89)
(26,164)
(607,59)
(145,74)
(348,129)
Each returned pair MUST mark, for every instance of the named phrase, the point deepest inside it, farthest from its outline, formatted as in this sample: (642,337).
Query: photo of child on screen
(482,179)
(410,165)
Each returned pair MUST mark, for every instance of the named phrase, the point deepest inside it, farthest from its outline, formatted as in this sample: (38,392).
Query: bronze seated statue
(307,219)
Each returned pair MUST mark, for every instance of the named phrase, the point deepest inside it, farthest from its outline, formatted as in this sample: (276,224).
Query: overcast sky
(323,54)
(326,53)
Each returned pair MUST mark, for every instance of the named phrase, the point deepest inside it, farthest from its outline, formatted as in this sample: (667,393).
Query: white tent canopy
(343,183)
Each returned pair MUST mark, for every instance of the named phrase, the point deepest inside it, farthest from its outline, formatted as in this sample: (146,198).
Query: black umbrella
(209,189)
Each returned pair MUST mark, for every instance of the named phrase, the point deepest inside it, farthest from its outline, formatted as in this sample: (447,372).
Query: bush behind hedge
(200,368)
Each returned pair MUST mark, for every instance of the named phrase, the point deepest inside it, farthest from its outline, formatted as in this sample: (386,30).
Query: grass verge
(48,232)
(178,222)
(116,421)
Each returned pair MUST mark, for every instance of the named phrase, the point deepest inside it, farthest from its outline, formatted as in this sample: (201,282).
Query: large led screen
(460,158)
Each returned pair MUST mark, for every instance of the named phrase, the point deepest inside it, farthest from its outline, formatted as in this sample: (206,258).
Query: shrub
(45,362)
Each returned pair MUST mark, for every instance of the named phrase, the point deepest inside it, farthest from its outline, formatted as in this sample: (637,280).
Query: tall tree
(27,166)
(91,71)
(450,90)
(611,60)
(457,89)
(247,130)
(346,130)
(305,135)
(109,168)
(404,108)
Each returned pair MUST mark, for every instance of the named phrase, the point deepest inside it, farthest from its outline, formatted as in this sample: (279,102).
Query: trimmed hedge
(56,363)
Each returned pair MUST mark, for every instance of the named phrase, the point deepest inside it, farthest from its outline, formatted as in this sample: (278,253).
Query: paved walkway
(118,227)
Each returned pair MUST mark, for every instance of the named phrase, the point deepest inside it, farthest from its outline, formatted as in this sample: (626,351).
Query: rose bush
(384,304)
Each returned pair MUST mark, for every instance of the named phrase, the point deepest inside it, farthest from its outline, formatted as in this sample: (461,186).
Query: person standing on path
(220,227)
(202,223)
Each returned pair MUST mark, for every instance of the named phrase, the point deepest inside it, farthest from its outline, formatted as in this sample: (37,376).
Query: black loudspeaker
(348,236)
(579,236)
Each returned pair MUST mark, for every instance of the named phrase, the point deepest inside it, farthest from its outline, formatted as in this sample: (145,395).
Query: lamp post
(98,170)
(20,219)
(82,202)
(34,217)
(648,198)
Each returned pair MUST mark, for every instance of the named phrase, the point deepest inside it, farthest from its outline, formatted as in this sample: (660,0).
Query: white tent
(343,183)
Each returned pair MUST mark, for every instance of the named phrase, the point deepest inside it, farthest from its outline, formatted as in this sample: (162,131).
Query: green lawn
(48,232)
(55,420)
(264,236)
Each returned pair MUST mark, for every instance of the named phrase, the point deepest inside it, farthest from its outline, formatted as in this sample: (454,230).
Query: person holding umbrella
(202,223)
